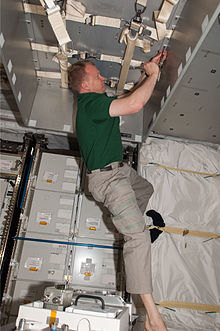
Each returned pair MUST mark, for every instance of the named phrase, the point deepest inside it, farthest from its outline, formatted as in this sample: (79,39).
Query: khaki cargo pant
(126,195)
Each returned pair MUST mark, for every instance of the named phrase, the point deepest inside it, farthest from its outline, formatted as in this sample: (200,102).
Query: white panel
(58,173)
(94,221)
(51,212)
(42,261)
(95,267)
(9,163)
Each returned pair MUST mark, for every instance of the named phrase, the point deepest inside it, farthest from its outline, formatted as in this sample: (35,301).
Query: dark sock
(157,221)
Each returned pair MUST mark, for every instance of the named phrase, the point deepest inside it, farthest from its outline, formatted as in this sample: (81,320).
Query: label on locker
(62,228)
(68,187)
(71,162)
(66,202)
(57,258)
(64,213)
(70,174)
(27,296)
(93,223)
(43,218)
(50,177)
(87,269)
(33,263)
(59,248)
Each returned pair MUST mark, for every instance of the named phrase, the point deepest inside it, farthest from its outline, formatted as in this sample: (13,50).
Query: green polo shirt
(97,132)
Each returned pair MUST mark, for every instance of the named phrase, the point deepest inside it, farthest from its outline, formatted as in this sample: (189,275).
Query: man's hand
(151,68)
(160,57)
(133,102)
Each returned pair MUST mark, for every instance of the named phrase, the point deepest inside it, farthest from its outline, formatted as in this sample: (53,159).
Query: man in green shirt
(111,182)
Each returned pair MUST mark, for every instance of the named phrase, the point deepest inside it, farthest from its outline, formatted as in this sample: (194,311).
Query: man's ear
(84,85)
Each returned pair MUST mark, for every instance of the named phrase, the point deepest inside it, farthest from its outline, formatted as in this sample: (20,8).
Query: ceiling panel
(192,110)
(186,94)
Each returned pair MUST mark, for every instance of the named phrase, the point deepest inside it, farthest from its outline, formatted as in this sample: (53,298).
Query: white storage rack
(66,237)
(9,169)
(47,225)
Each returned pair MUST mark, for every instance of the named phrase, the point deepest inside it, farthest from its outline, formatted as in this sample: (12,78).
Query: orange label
(87,274)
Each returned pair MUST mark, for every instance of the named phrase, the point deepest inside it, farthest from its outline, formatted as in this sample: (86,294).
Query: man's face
(95,82)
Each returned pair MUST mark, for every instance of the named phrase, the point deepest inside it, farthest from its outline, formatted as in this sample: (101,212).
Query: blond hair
(77,74)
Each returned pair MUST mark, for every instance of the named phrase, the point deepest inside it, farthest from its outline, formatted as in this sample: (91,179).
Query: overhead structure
(118,38)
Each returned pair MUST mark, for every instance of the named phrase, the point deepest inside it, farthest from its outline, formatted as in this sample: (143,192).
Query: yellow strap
(106,21)
(131,41)
(166,10)
(142,2)
(186,232)
(47,74)
(190,305)
(34,9)
(55,20)
(143,43)
(75,8)
(58,26)
(44,48)
(53,315)
(160,27)
(161,17)
(185,170)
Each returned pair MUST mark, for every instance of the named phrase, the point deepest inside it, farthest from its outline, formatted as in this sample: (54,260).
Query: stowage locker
(58,173)
(94,221)
(51,212)
(9,164)
(96,265)
(43,259)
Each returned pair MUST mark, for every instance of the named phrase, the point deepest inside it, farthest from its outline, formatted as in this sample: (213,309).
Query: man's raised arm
(135,101)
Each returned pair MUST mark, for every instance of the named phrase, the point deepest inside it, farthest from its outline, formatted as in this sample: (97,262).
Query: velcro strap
(190,305)
(131,42)
(75,8)
(142,2)
(58,26)
(166,10)
(186,232)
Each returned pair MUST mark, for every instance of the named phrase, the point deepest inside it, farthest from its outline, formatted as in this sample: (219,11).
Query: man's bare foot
(154,321)
(147,324)
(155,326)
